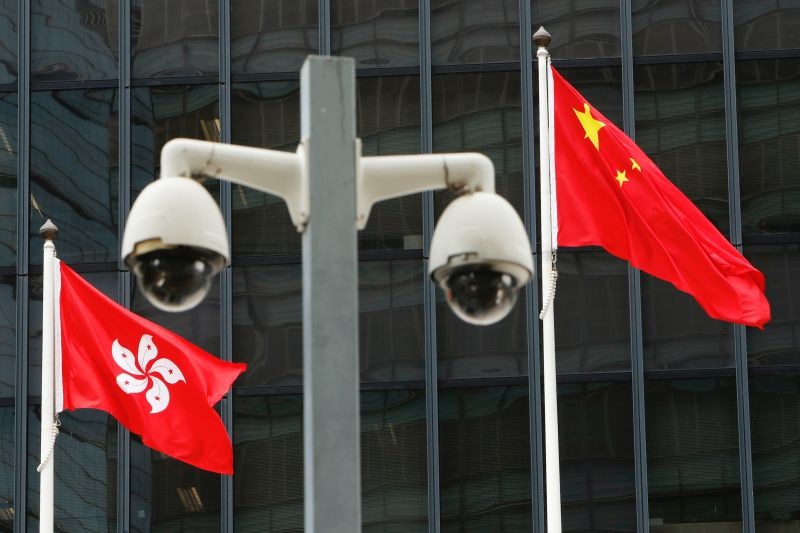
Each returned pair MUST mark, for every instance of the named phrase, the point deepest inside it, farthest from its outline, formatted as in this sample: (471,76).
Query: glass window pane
(174,38)
(484,458)
(74,173)
(775,435)
(74,40)
(272,35)
(779,342)
(592,322)
(474,31)
(766,24)
(680,124)
(7,452)
(85,488)
(580,28)
(768,97)
(8,48)
(676,26)
(595,427)
(692,453)
(8,340)
(383,33)
(8,178)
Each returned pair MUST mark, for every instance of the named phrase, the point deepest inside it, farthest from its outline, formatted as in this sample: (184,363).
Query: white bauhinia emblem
(141,372)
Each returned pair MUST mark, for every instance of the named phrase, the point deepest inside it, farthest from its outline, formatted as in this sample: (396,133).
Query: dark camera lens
(480,295)
(177,279)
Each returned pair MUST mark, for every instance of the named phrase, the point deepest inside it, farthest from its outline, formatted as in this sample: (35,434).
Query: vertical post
(330,298)
(552,468)
(48,231)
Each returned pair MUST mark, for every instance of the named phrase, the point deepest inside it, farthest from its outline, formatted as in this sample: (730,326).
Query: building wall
(669,421)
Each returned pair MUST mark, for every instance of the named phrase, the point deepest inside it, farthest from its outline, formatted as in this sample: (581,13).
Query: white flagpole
(46,469)
(552,471)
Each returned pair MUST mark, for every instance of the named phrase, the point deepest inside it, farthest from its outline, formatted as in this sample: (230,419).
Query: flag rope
(53,435)
(551,289)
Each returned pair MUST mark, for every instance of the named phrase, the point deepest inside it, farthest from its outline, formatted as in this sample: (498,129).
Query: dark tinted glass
(592,322)
(692,452)
(8,178)
(394,484)
(74,173)
(8,331)
(85,488)
(272,35)
(680,124)
(768,96)
(775,437)
(474,31)
(74,40)
(677,333)
(265,115)
(7,468)
(484,459)
(8,47)
(388,123)
(384,33)
(268,463)
(595,428)
(168,495)
(170,38)
(779,342)
(676,26)
(580,28)
(160,114)
(766,24)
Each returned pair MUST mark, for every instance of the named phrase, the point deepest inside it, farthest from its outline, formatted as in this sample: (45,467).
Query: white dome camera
(175,243)
(481,257)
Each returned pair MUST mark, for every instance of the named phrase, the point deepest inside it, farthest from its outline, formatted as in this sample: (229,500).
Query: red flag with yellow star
(610,194)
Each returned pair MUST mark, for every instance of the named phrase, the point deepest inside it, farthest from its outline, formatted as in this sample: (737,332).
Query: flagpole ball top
(48,231)
(541,37)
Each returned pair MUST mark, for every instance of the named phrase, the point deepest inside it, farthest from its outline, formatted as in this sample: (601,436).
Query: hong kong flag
(154,382)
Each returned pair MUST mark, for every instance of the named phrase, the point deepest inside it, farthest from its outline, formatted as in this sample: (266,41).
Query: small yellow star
(635,165)
(621,178)
(590,125)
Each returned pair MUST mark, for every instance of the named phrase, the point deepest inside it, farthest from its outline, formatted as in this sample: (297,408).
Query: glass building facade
(669,421)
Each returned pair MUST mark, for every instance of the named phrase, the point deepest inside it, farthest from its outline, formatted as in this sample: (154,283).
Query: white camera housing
(480,256)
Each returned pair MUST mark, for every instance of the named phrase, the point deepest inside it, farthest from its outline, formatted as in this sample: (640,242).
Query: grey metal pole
(330,298)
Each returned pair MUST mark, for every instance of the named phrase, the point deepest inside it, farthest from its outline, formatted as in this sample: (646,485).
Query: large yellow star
(590,125)
(621,177)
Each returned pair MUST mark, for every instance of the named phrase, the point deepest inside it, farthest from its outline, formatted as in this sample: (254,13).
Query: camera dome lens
(176,279)
(480,295)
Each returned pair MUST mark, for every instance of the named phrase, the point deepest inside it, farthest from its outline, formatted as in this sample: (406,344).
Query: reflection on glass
(592,322)
(7,468)
(8,45)
(170,38)
(580,28)
(74,173)
(73,40)
(474,31)
(484,459)
(768,96)
(272,35)
(85,488)
(680,124)
(169,495)
(8,178)
(8,332)
(766,24)
(775,435)
(376,34)
(779,342)
(676,26)
(692,453)
(595,427)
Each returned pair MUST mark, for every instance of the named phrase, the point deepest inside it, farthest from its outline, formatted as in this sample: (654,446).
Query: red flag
(154,382)
(610,194)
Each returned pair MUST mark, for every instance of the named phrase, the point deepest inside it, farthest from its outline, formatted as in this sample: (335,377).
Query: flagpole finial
(541,37)
(48,231)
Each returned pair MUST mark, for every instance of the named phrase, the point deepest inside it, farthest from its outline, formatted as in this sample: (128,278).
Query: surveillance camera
(175,243)
(480,256)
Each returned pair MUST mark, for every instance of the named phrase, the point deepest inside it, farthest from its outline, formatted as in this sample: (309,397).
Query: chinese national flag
(154,382)
(610,194)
